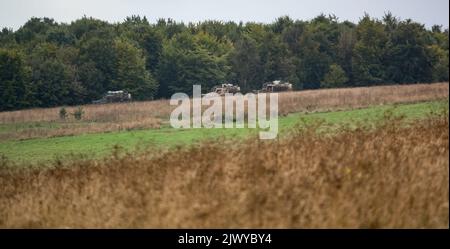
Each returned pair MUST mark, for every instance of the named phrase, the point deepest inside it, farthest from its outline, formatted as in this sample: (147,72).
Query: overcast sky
(14,13)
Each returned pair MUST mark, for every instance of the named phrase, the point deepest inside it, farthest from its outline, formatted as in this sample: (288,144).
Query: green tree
(440,63)
(406,55)
(34,30)
(335,77)
(345,48)
(439,52)
(88,27)
(191,59)
(368,54)
(281,24)
(131,74)
(246,65)
(14,81)
(97,62)
(275,58)
(60,35)
(54,80)
(313,63)
(148,38)
(7,38)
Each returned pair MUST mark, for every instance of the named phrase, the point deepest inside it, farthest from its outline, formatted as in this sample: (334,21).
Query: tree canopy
(45,63)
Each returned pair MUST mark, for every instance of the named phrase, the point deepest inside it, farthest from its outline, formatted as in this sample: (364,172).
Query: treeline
(45,63)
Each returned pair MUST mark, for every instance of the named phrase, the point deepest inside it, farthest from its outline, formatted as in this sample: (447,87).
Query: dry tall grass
(393,176)
(114,112)
(153,114)
(289,102)
(345,98)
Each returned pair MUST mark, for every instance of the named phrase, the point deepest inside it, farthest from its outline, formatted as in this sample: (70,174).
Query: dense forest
(45,63)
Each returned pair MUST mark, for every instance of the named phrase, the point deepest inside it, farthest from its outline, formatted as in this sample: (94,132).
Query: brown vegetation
(393,176)
(153,114)
(349,98)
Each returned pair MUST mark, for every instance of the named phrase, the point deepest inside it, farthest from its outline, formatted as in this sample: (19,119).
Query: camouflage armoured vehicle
(114,97)
(276,86)
(226,88)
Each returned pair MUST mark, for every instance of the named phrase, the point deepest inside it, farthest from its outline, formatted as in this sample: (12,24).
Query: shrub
(62,113)
(78,114)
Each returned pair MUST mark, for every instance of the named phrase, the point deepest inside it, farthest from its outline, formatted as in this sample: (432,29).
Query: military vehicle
(114,97)
(276,86)
(226,88)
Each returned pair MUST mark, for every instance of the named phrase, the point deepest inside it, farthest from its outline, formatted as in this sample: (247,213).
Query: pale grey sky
(14,13)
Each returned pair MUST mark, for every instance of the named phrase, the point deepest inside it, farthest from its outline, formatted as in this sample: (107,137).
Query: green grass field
(101,144)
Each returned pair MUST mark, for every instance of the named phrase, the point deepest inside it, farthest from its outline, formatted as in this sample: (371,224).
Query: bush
(62,113)
(78,114)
